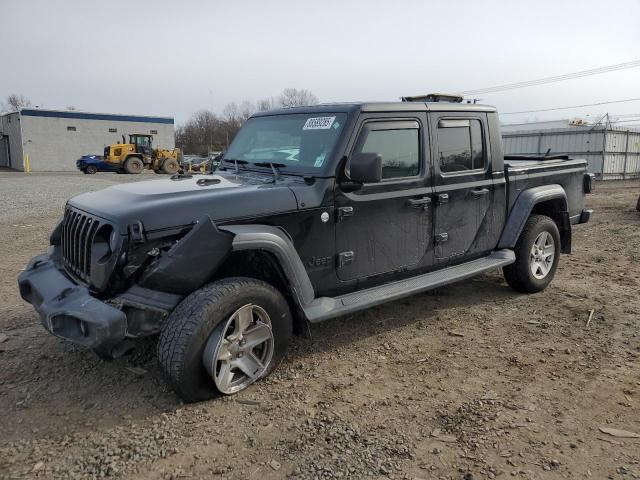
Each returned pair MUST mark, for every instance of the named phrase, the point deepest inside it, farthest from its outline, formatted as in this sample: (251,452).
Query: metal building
(612,153)
(52,140)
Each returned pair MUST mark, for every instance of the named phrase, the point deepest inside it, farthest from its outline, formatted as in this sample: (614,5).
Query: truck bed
(525,172)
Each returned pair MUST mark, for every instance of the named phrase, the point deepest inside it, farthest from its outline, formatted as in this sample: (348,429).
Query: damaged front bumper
(67,309)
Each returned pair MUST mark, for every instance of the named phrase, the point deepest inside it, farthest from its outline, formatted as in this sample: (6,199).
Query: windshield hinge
(344,212)
(136,231)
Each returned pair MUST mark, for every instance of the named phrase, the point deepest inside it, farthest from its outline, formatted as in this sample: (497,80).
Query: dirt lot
(470,381)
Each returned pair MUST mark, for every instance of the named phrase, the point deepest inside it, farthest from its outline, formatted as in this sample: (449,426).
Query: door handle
(423,202)
(480,192)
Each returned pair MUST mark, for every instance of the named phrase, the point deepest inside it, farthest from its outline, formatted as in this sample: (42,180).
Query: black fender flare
(523,207)
(277,242)
(195,258)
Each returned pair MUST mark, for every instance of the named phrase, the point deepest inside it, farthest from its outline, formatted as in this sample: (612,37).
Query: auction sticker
(318,123)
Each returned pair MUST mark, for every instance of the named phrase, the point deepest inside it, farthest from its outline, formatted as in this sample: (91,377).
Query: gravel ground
(46,193)
(467,382)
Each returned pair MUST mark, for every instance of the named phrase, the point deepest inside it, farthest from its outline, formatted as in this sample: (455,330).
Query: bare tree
(202,133)
(205,131)
(292,97)
(245,110)
(15,102)
(231,113)
(233,116)
(266,104)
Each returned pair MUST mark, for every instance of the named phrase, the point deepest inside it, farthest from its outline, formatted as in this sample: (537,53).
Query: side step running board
(324,308)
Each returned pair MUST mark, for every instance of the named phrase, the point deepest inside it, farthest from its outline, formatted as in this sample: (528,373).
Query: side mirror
(365,168)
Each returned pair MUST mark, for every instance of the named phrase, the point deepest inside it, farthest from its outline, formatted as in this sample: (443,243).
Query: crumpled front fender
(191,262)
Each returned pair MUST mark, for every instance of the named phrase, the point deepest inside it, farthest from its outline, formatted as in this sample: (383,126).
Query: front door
(463,186)
(386,227)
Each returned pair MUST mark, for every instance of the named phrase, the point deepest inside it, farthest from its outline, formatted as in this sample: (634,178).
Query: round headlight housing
(101,249)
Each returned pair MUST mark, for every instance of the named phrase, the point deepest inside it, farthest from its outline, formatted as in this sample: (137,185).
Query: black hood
(169,203)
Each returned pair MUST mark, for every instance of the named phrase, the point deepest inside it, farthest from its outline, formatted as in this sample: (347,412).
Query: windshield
(295,140)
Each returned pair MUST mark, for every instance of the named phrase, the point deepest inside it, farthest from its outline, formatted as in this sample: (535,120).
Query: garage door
(4,151)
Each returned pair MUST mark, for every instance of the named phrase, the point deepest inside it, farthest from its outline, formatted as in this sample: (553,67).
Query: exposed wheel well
(263,265)
(556,209)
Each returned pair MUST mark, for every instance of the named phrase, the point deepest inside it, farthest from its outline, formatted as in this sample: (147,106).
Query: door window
(460,146)
(399,149)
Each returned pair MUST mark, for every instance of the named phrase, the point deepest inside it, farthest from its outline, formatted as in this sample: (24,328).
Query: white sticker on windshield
(318,123)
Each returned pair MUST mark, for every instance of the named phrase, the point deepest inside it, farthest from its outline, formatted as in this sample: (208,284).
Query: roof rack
(434,97)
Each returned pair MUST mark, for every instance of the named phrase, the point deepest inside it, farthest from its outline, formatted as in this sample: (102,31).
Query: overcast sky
(175,57)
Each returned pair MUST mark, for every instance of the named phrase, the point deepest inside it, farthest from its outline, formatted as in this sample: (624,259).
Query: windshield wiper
(235,161)
(274,167)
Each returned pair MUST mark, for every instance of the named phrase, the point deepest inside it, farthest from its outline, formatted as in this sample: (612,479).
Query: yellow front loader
(138,154)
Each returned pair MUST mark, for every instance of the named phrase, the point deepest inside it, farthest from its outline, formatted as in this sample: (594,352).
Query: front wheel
(91,169)
(537,255)
(224,337)
(170,166)
(133,165)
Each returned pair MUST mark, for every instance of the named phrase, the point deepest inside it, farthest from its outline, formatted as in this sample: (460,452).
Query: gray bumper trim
(67,309)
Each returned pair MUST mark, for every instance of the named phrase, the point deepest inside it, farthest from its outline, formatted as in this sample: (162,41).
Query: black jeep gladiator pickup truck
(315,212)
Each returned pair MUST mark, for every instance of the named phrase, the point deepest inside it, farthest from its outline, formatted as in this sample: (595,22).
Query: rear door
(463,185)
(386,227)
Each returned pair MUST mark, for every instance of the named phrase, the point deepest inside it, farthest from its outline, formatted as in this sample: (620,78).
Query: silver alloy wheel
(543,253)
(239,350)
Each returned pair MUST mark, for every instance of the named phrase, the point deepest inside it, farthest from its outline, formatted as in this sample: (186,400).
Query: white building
(52,140)
(612,152)
(544,125)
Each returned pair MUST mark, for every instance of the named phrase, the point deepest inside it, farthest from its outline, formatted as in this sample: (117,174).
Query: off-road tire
(185,333)
(91,169)
(133,165)
(170,166)
(519,275)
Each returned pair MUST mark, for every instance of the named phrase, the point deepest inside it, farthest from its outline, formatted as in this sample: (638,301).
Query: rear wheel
(170,166)
(133,165)
(224,337)
(537,256)
(91,169)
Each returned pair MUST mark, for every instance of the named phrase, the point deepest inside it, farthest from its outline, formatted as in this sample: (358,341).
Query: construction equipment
(138,154)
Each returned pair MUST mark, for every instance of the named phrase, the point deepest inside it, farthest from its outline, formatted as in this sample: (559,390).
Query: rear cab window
(460,145)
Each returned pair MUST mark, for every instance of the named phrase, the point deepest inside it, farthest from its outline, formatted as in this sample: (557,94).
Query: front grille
(78,230)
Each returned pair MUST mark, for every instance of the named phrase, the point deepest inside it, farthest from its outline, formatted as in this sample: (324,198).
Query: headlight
(103,241)
(56,235)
